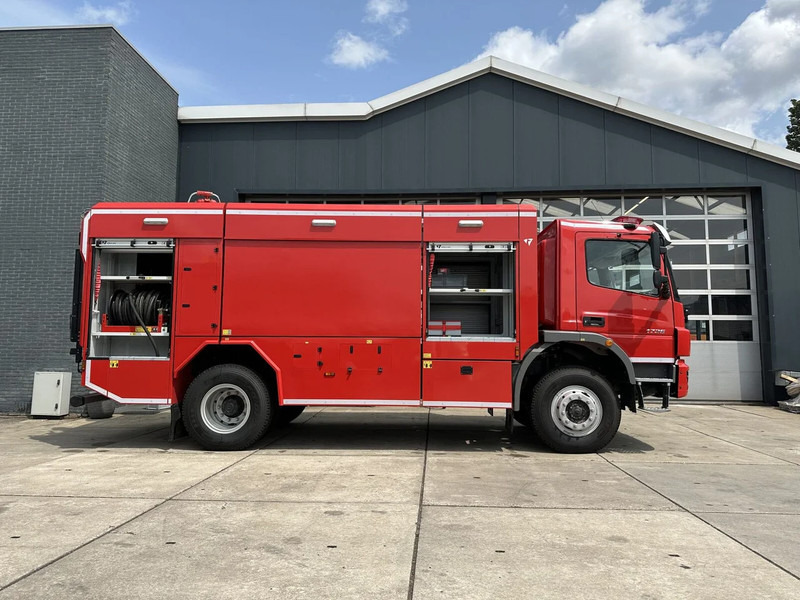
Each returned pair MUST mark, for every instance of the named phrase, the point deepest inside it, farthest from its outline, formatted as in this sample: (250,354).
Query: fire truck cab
(241,315)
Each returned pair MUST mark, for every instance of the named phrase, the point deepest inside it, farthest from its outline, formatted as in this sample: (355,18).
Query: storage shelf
(129,334)
(136,277)
(469,291)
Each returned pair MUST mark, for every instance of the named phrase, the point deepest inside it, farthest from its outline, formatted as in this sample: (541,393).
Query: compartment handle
(470,223)
(155,220)
(323,222)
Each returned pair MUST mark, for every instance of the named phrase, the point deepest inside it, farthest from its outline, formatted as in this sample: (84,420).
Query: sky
(731,63)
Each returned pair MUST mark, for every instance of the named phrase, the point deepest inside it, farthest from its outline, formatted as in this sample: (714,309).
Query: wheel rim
(225,408)
(576,411)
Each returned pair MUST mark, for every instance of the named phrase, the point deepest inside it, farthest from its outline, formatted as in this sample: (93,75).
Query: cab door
(616,296)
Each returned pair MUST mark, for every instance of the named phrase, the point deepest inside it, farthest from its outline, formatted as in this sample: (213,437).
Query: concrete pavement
(701,502)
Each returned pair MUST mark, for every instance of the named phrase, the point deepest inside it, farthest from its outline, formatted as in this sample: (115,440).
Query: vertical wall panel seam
(254,171)
(652,157)
(605,148)
(296,153)
(513,183)
(425,141)
(697,155)
(470,179)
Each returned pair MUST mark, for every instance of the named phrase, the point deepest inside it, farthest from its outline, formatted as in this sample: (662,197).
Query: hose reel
(140,307)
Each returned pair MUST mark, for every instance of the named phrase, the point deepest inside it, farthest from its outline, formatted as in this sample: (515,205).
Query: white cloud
(354,52)
(116,14)
(388,13)
(42,13)
(734,81)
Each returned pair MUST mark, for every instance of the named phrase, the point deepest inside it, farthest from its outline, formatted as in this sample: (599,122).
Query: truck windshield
(620,265)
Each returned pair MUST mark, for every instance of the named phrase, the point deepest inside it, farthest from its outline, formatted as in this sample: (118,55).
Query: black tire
(523,416)
(100,409)
(574,410)
(227,407)
(287,414)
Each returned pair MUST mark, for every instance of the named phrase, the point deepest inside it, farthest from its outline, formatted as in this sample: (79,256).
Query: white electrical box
(51,391)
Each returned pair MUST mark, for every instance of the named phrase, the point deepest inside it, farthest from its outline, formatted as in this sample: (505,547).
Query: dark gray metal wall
(494,134)
(83,119)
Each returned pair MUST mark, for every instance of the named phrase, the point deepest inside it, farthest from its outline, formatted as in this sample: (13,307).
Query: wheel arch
(246,354)
(563,348)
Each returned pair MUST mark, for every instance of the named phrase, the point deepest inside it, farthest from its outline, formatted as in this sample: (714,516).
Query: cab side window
(620,265)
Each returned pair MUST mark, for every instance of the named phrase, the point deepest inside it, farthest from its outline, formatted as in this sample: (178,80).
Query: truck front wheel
(574,410)
(227,407)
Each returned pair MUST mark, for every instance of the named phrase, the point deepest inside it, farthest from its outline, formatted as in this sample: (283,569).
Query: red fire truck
(241,315)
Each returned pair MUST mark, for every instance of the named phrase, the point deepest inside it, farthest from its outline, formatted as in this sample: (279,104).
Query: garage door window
(712,251)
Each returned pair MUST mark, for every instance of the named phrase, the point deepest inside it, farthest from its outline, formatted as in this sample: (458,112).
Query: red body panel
(323,223)
(306,288)
(548,277)
(682,380)
(453,348)
(326,371)
(156,220)
(527,278)
(484,223)
(134,381)
(186,348)
(198,288)
(467,382)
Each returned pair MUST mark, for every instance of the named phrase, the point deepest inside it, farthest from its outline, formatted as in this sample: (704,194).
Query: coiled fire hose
(139,307)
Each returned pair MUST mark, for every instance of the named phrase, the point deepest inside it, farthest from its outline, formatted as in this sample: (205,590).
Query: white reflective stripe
(326,213)
(470,404)
(154,211)
(471,214)
(313,401)
(122,400)
(652,360)
(88,383)
(85,237)
(528,214)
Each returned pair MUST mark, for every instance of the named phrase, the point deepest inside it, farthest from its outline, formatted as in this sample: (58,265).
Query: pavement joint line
(413,572)
(737,409)
(76,497)
(714,437)
(680,462)
(702,520)
(117,527)
(303,502)
(551,508)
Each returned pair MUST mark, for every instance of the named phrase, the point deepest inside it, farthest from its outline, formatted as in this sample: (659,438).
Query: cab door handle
(594,321)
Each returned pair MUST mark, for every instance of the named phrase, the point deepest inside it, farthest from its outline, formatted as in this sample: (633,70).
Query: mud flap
(176,427)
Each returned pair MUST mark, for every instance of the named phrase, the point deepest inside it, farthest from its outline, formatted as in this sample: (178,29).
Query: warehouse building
(103,125)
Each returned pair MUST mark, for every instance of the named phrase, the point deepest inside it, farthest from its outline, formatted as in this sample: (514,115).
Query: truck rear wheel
(227,407)
(575,410)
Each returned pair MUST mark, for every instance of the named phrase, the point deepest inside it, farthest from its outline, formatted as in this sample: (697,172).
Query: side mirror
(661,284)
(655,250)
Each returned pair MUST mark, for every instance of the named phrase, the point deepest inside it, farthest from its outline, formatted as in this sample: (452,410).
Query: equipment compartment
(132,292)
(470,291)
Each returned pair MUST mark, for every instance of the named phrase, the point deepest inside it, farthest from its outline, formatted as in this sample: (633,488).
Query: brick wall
(83,119)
